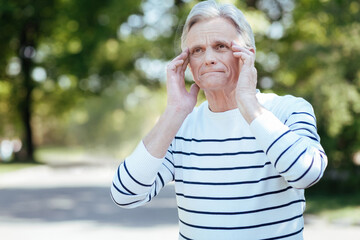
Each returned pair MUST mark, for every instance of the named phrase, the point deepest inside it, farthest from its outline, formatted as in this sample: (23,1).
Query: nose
(210,58)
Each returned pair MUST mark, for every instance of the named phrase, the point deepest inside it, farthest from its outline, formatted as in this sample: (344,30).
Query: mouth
(212,72)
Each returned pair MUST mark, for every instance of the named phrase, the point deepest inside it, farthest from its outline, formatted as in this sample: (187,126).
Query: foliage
(98,67)
(321,62)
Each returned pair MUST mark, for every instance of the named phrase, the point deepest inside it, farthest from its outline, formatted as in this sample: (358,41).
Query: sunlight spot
(64,82)
(29,52)
(14,67)
(276,30)
(39,74)
(266,82)
(135,21)
(124,31)
(356,159)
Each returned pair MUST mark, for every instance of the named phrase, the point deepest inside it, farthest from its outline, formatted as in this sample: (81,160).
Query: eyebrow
(223,42)
(214,43)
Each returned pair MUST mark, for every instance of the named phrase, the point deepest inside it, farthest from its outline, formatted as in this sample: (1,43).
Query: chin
(212,84)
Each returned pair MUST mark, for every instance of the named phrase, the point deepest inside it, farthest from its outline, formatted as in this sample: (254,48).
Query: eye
(221,46)
(196,51)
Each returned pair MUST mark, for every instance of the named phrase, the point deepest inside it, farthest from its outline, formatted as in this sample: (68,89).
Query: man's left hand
(246,99)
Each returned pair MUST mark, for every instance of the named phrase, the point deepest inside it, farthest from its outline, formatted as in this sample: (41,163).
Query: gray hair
(210,9)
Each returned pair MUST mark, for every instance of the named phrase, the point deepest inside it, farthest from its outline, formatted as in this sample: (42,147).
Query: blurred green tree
(53,52)
(57,55)
(312,49)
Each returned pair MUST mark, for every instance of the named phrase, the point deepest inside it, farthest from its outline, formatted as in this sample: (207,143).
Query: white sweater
(233,180)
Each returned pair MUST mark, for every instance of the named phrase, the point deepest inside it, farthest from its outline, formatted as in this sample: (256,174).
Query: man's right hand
(180,103)
(179,99)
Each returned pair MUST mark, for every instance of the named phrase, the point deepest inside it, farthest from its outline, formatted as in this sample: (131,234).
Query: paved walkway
(66,203)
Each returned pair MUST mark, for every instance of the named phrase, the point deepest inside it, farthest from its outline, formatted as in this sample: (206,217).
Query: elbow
(124,200)
(309,172)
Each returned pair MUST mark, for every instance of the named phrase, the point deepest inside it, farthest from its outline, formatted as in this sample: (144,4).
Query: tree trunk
(26,53)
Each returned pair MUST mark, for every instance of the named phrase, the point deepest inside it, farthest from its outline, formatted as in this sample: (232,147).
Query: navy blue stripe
(277,160)
(304,172)
(303,122)
(120,190)
(285,236)
(243,212)
(227,183)
(169,161)
(141,184)
(161,179)
(321,170)
(311,137)
(234,198)
(306,129)
(156,193)
(149,198)
(222,169)
(292,164)
(214,140)
(123,204)
(300,113)
(216,154)
(277,140)
(186,238)
(242,227)
(118,173)
(173,177)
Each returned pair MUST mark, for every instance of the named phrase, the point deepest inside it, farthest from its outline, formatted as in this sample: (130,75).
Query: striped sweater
(233,180)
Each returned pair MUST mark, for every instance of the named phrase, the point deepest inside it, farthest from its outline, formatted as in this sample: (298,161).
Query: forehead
(213,30)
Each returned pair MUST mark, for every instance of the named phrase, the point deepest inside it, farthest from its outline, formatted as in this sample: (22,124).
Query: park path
(73,202)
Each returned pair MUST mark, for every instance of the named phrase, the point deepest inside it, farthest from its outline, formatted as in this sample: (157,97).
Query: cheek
(233,64)
(194,67)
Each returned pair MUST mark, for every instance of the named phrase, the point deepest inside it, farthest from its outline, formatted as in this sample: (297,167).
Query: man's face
(211,59)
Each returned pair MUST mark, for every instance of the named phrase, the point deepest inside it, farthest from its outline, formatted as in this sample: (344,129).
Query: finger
(243,50)
(183,55)
(194,89)
(237,47)
(185,64)
(247,59)
(174,64)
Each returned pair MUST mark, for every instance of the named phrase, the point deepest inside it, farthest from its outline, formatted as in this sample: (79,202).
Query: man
(242,159)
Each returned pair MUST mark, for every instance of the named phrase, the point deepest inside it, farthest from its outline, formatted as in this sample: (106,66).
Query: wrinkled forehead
(210,31)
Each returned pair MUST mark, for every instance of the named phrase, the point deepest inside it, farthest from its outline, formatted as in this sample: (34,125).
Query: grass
(59,154)
(46,155)
(335,207)
(10,167)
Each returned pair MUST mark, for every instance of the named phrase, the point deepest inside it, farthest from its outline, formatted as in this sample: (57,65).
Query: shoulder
(283,106)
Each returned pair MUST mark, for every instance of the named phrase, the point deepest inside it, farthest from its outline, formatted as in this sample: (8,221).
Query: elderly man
(242,159)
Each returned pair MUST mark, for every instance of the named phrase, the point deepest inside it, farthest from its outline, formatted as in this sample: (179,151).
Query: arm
(180,103)
(150,166)
(293,147)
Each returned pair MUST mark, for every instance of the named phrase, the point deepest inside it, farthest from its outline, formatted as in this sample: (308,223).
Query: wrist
(175,113)
(249,107)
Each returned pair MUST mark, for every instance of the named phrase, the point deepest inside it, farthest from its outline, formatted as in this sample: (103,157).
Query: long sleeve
(140,177)
(293,147)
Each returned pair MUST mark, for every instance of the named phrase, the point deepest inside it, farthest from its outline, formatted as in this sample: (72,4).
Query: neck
(221,101)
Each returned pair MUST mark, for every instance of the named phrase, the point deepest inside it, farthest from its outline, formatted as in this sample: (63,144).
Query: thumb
(194,90)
